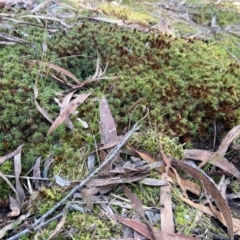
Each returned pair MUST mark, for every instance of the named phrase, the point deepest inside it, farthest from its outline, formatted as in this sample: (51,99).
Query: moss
(92,227)
(7,169)
(148,195)
(150,140)
(185,216)
(177,85)
(126,13)
(70,163)
(235,187)
(186,85)
(181,86)
(224,16)
(83,227)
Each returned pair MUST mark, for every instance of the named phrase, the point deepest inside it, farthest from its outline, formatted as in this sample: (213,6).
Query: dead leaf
(86,195)
(112,143)
(65,103)
(211,189)
(108,131)
(107,210)
(115,180)
(61,181)
(98,70)
(145,156)
(17,172)
(57,69)
(230,137)
(154,182)
(12,154)
(14,206)
(167,224)
(47,163)
(68,111)
(189,185)
(36,172)
(168,168)
(91,162)
(136,225)
(13,225)
(151,233)
(26,4)
(40,6)
(29,188)
(135,202)
(163,27)
(106,189)
(207,210)
(204,156)
(12,39)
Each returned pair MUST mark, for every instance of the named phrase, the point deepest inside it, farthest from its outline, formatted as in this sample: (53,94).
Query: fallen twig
(110,157)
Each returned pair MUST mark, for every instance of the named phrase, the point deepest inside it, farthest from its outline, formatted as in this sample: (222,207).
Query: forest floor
(119,119)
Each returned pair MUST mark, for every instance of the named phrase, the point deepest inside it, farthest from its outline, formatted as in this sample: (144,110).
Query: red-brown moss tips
(187,86)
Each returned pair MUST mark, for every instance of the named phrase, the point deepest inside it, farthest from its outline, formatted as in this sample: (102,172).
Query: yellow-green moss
(185,216)
(126,13)
(150,139)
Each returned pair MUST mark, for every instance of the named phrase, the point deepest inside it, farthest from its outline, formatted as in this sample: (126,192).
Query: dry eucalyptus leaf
(86,195)
(17,171)
(14,206)
(151,232)
(203,155)
(108,131)
(167,224)
(68,111)
(228,139)
(211,189)
(36,172)
(12,154)
(12,225)
(61,181)
(153,182)
(47,163)
(65,103)
(135,202)
(57,69)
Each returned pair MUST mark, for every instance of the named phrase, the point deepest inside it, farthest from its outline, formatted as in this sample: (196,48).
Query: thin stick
(38,178)
(48,221)
(110,156)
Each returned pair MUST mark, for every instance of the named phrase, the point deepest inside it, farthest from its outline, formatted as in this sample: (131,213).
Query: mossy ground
(182,87)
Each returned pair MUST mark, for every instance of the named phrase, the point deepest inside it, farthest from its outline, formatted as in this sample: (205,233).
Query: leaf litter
(92,195)
(125,172)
